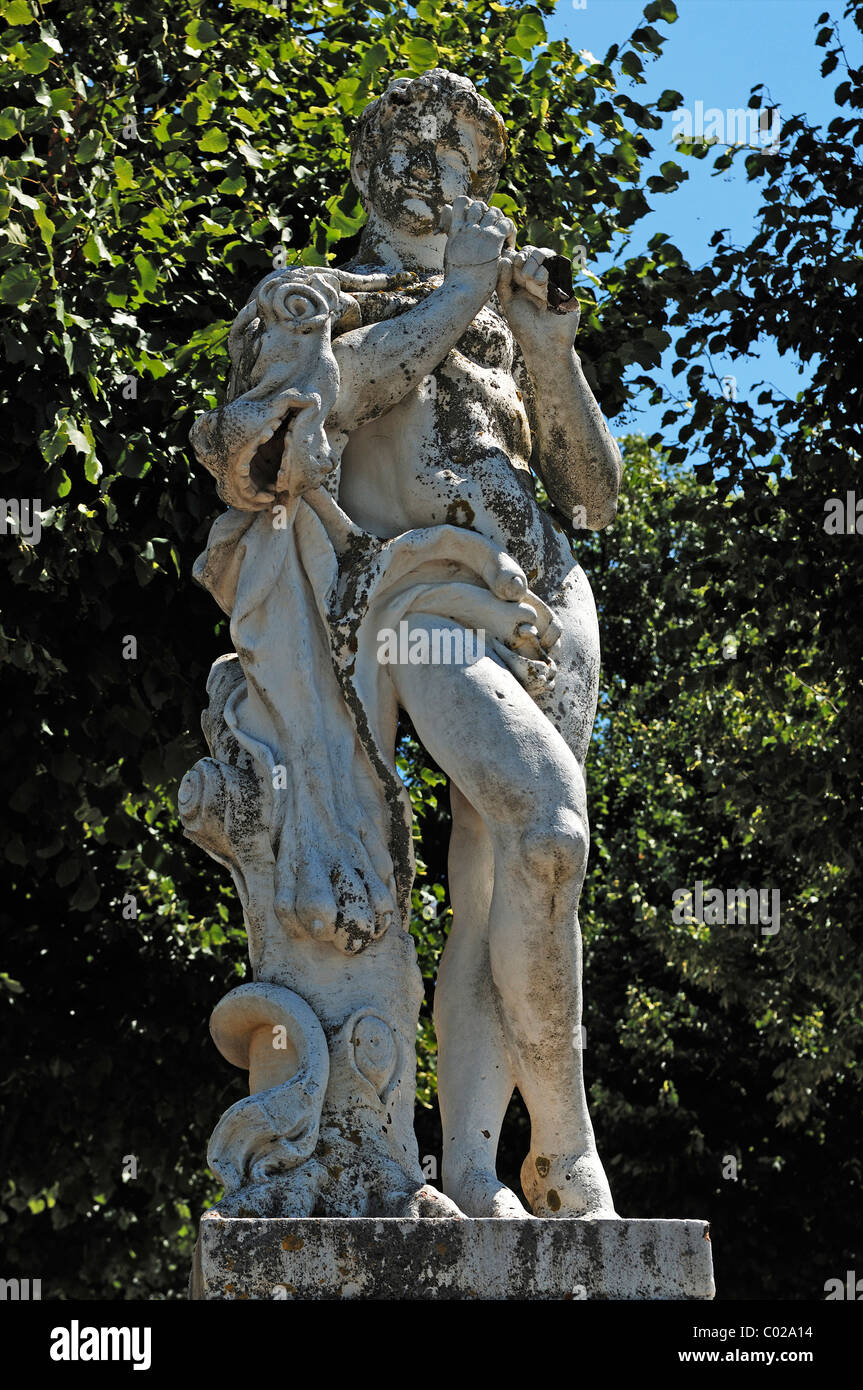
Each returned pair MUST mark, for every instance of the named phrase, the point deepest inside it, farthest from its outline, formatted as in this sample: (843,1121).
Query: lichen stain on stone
(553,1200)
(460,513)
(543,1166)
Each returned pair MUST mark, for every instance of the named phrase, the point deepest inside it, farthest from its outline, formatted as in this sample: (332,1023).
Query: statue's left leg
(526,784)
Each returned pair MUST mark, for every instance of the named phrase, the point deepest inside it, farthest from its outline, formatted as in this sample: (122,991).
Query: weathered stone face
(425,162)
(442,108)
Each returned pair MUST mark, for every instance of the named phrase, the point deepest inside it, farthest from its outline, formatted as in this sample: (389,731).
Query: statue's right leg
(473,1097)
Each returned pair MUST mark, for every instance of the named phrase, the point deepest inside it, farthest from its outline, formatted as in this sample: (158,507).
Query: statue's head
(424,142)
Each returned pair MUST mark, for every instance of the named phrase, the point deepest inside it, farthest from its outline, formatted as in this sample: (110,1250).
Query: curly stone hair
(457,94)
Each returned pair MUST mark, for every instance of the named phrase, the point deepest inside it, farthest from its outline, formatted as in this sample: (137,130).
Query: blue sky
(715,52)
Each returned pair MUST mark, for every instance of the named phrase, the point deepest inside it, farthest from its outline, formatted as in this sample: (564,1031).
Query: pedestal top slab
(389,1258)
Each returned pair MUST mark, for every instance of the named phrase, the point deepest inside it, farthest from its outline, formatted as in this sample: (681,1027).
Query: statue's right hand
(477,236)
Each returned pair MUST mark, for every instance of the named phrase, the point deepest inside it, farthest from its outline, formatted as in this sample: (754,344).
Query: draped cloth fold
(308,594)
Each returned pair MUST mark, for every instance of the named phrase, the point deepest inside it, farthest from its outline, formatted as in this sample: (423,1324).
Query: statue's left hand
(522,288)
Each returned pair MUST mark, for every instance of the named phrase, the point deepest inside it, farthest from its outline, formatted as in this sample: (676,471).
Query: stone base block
(390,1258)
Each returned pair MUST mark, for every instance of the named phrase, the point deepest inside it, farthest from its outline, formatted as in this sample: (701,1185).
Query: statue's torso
(455,450)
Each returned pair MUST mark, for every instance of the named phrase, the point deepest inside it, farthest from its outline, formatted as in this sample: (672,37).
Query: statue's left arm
(575,453)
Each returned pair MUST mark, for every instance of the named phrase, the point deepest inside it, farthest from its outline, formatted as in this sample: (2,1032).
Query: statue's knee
(556,848)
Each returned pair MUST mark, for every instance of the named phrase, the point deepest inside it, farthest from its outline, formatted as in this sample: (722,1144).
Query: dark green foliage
(713,763)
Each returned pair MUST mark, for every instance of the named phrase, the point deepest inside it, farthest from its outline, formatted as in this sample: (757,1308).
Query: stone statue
(375,450)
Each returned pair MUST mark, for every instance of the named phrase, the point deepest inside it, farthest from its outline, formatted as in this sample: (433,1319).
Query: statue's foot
(425,1202)
(557,1185)
(481,1193)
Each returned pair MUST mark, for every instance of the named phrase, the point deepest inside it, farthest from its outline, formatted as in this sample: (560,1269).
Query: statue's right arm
(381,363)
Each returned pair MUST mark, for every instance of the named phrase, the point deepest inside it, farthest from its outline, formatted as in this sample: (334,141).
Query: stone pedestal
(390,1258)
